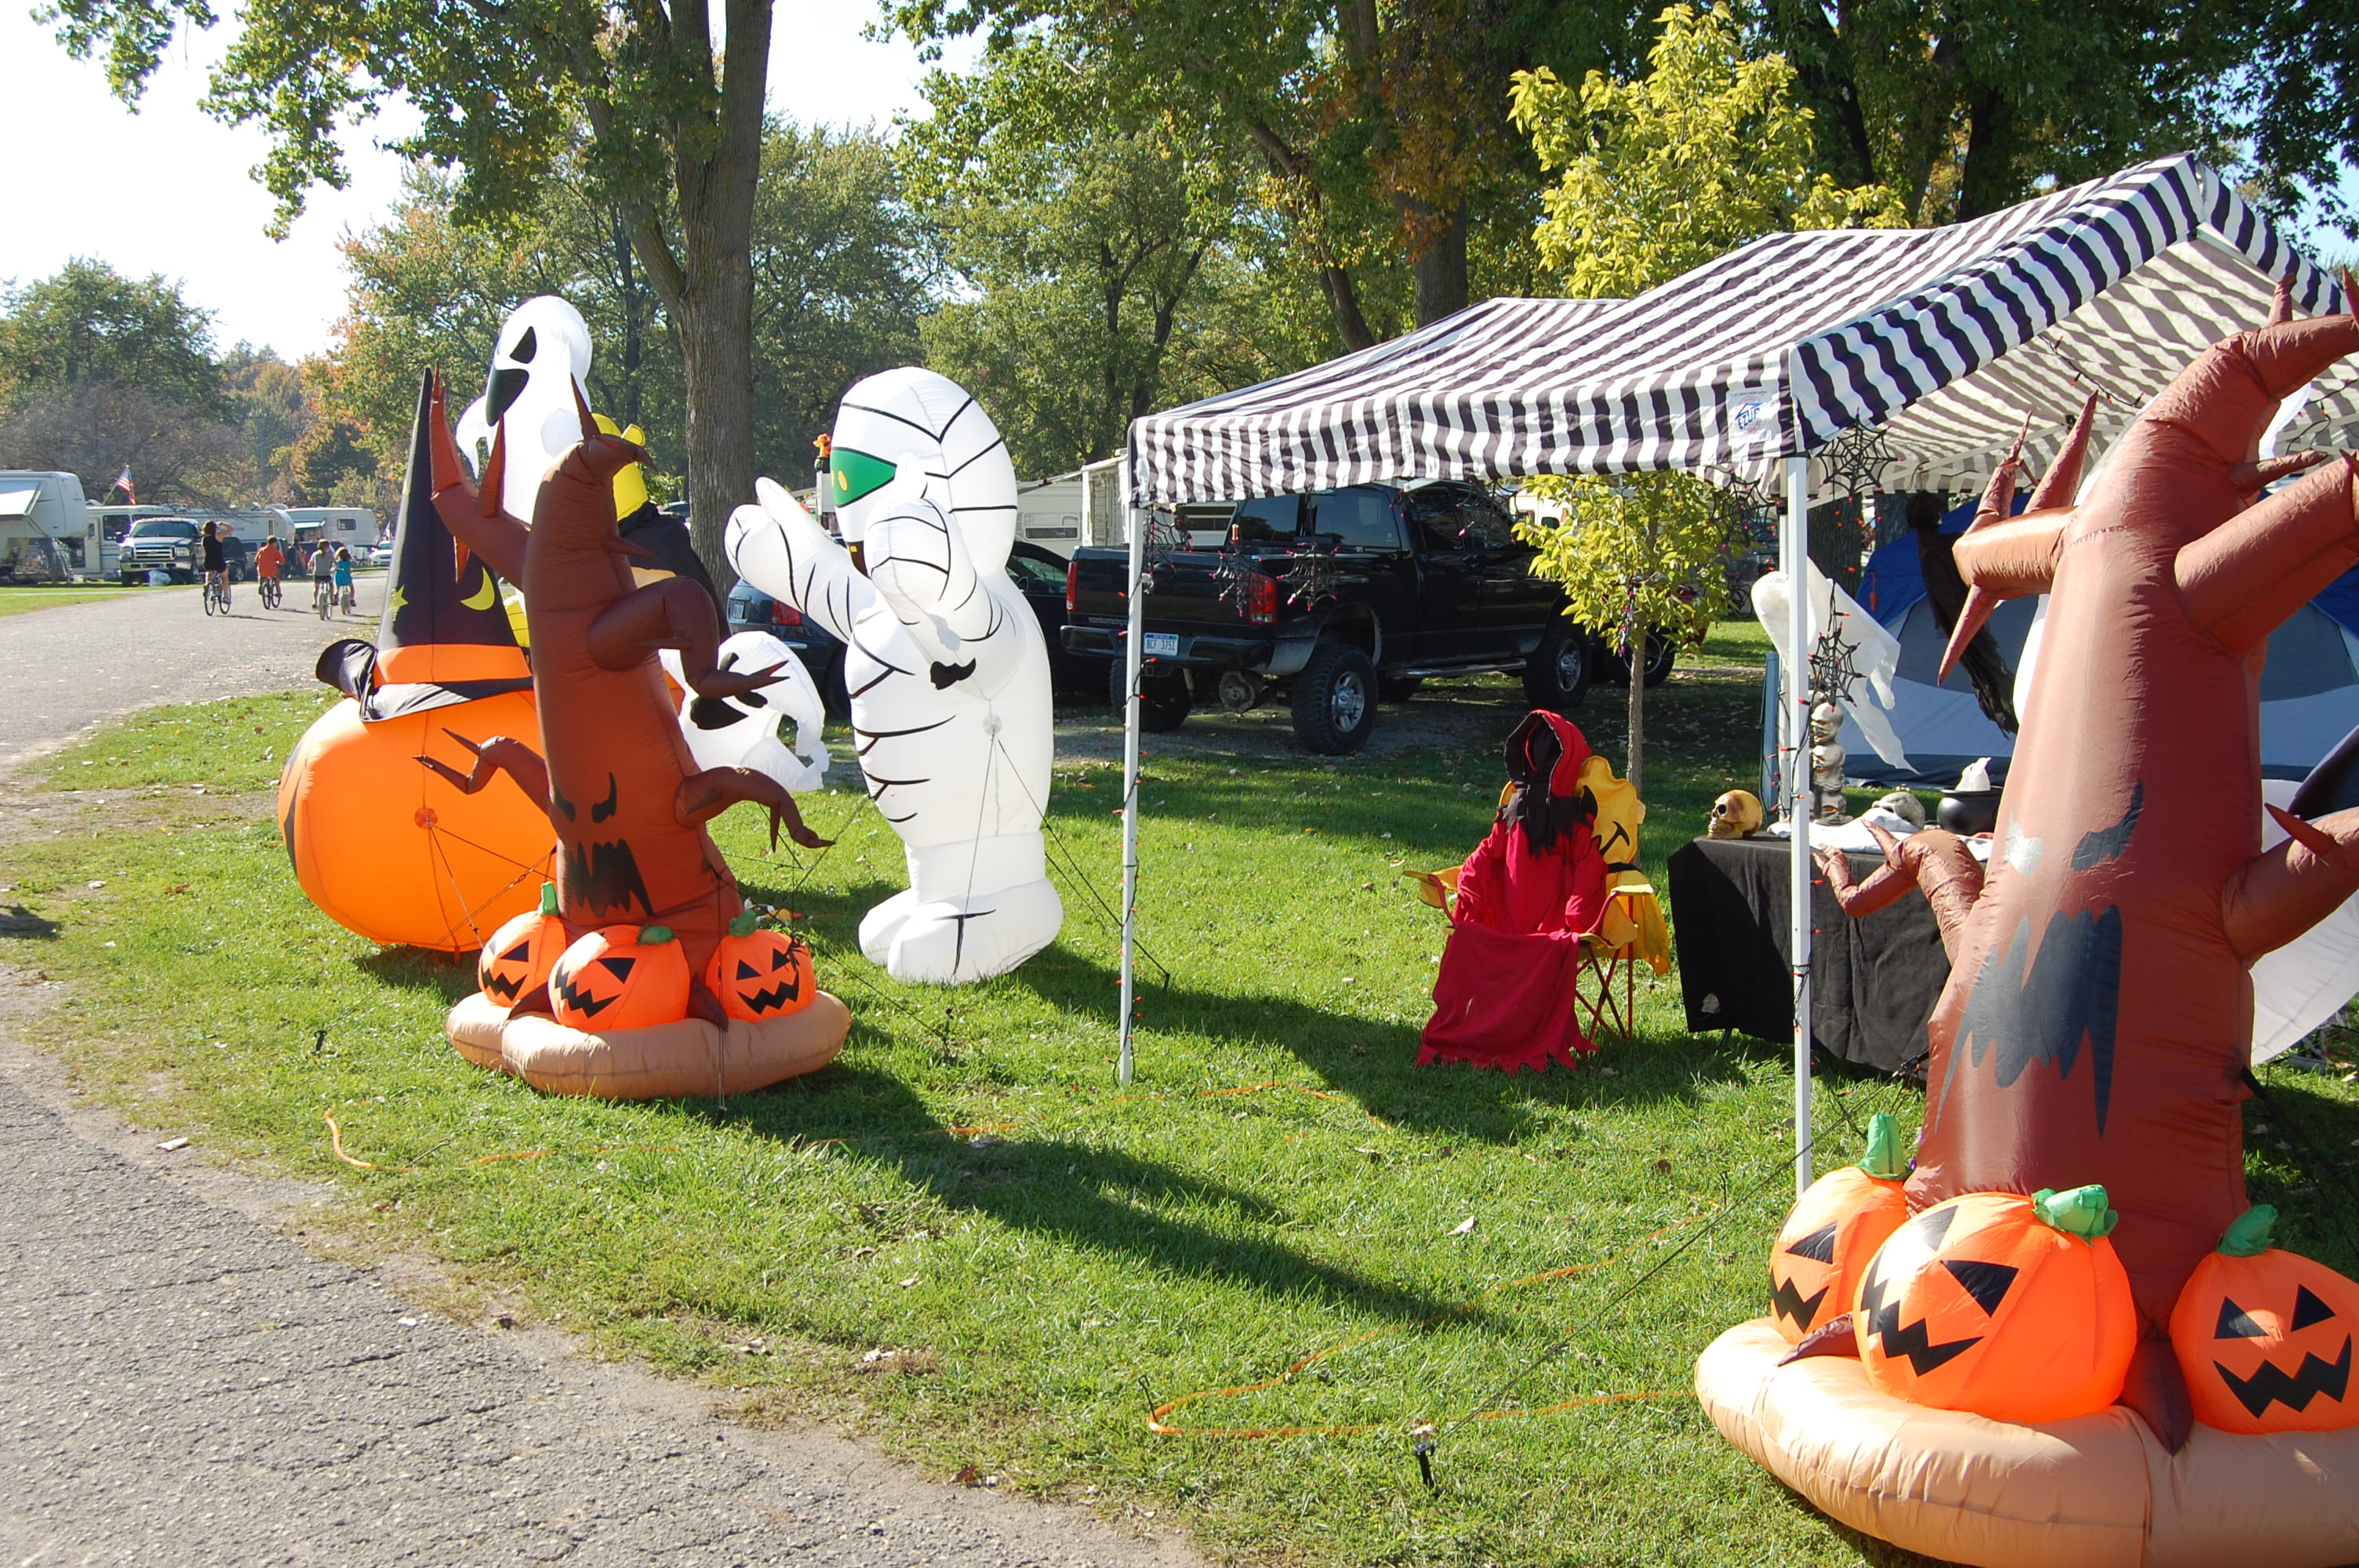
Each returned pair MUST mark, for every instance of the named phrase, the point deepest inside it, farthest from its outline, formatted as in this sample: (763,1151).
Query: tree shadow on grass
(1374,1063)
(1078,1193)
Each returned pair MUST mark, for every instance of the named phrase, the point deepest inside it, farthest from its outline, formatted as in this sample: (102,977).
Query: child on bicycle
(323,571)
(268,561)
(216,560)
(343,581)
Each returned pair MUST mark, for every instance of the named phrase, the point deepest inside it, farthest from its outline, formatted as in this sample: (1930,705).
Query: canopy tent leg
(1793,559)
(1130,715)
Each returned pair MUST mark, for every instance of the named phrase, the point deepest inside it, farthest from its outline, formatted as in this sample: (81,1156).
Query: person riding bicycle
(268,561)
(323,571)
(343,581)
(216,559)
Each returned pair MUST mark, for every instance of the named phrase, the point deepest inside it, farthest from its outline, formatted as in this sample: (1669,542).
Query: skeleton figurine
(1735,815)
(1827,758)
(944,662)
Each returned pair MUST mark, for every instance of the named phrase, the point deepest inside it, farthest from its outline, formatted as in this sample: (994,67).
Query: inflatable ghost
(539,365)
(1874,652)
(945,663)
(741,731)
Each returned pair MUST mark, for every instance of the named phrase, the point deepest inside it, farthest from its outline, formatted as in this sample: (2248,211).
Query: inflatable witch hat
(445,636)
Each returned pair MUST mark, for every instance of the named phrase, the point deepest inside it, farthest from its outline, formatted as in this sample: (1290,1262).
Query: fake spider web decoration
(1235,574)
(1164,540)
(1311,578)
(1834,664)
(1856,460)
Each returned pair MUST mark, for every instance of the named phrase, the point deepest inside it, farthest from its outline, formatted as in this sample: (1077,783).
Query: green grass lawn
(964,1238)
(19,601)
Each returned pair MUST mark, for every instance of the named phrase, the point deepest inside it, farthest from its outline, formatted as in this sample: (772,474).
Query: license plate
(1159,643)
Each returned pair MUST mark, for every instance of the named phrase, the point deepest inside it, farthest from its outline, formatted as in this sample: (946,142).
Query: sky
(170,190)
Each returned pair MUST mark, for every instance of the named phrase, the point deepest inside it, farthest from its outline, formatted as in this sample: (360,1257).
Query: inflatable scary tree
(646,903)
(2093,1036)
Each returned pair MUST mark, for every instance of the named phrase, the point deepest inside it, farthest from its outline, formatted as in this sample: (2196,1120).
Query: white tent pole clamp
(1130,714)
(1794,556)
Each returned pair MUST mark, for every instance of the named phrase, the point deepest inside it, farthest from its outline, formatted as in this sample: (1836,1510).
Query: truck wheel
(1162,699)
(1556,674)
(1662,653)
(1397,688)
(1335,700)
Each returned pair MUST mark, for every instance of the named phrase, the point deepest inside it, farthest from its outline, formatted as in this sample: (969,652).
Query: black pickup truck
(1336,600)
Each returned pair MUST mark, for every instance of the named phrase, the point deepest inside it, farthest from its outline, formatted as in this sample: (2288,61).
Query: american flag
(123,483)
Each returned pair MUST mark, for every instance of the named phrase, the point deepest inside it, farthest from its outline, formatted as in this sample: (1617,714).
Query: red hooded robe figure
(1505,997)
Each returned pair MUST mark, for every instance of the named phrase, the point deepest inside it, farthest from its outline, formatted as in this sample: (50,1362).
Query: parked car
(1335,600)
(1038,572)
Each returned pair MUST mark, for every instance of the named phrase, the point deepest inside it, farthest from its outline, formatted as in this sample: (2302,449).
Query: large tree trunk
(1440,272)
(1988,181)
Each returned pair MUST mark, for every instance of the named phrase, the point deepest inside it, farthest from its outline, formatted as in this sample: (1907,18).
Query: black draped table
(1873,981)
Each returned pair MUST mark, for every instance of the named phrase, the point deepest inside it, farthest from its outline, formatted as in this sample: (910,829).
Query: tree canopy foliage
(840,274)
(1111,265)
(100,372)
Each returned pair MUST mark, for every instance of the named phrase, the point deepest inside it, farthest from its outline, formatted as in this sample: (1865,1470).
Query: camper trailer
(46,532)
(1049,512)
(350,527)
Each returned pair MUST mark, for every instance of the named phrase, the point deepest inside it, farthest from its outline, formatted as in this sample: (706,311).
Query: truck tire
(1162,699)
(1397,688)
(1556,674)
(1335,700)
(1662,653)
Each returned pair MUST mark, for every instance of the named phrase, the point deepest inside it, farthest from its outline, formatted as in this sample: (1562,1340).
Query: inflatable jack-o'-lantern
(517,958)
(2264,1337)
(1817,1262)
(2006,1306)
(760,973)
(620,977)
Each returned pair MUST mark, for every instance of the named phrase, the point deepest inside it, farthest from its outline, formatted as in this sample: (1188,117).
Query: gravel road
(63,670)
(184,1379)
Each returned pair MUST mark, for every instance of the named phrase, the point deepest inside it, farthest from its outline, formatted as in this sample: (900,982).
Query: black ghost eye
(526,347)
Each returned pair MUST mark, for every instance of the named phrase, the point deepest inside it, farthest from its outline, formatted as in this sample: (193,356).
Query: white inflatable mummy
(943,661)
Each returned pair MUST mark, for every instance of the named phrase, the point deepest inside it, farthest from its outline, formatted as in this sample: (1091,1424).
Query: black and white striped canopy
(1944,339)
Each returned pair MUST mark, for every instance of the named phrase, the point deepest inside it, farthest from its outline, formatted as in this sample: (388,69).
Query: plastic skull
(1826,721)
(1735,815)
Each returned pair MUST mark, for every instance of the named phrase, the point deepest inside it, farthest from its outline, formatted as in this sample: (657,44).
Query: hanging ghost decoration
(945,666)
(1874,653)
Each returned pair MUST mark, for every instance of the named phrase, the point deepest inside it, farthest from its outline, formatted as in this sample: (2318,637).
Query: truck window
(1360,518)
(1458,517)
(1266,518)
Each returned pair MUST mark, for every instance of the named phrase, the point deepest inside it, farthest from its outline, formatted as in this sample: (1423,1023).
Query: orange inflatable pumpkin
(2264,1335)
(2006,1306)
(760,974)
(620,977)
(520,954)
(1835,1228)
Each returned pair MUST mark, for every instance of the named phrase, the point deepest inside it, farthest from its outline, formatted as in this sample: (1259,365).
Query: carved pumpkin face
(1984,1305)
(1819,1256)
(2264,1337)
(520,954)
(760,974)
(620,977)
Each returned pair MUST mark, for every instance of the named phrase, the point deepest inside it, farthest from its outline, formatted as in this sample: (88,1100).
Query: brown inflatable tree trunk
(2098,1019)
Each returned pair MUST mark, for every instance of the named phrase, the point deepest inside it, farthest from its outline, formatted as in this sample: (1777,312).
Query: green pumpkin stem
(2080,1211)
(745,924)
(1885,1161)
(2248,1234)
(654,936)
(548,898)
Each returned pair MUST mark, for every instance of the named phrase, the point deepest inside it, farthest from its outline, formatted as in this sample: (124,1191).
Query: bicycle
(268,589)
(323,595)
(216,594)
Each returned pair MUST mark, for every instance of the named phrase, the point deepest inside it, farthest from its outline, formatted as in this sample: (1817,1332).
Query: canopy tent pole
(1130,714)
(1794,559)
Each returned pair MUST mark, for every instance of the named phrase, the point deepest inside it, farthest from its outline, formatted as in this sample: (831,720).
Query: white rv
(47,534)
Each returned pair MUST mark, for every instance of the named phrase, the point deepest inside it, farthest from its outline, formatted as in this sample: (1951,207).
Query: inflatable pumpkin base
(2095,1491)
(664,1061)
